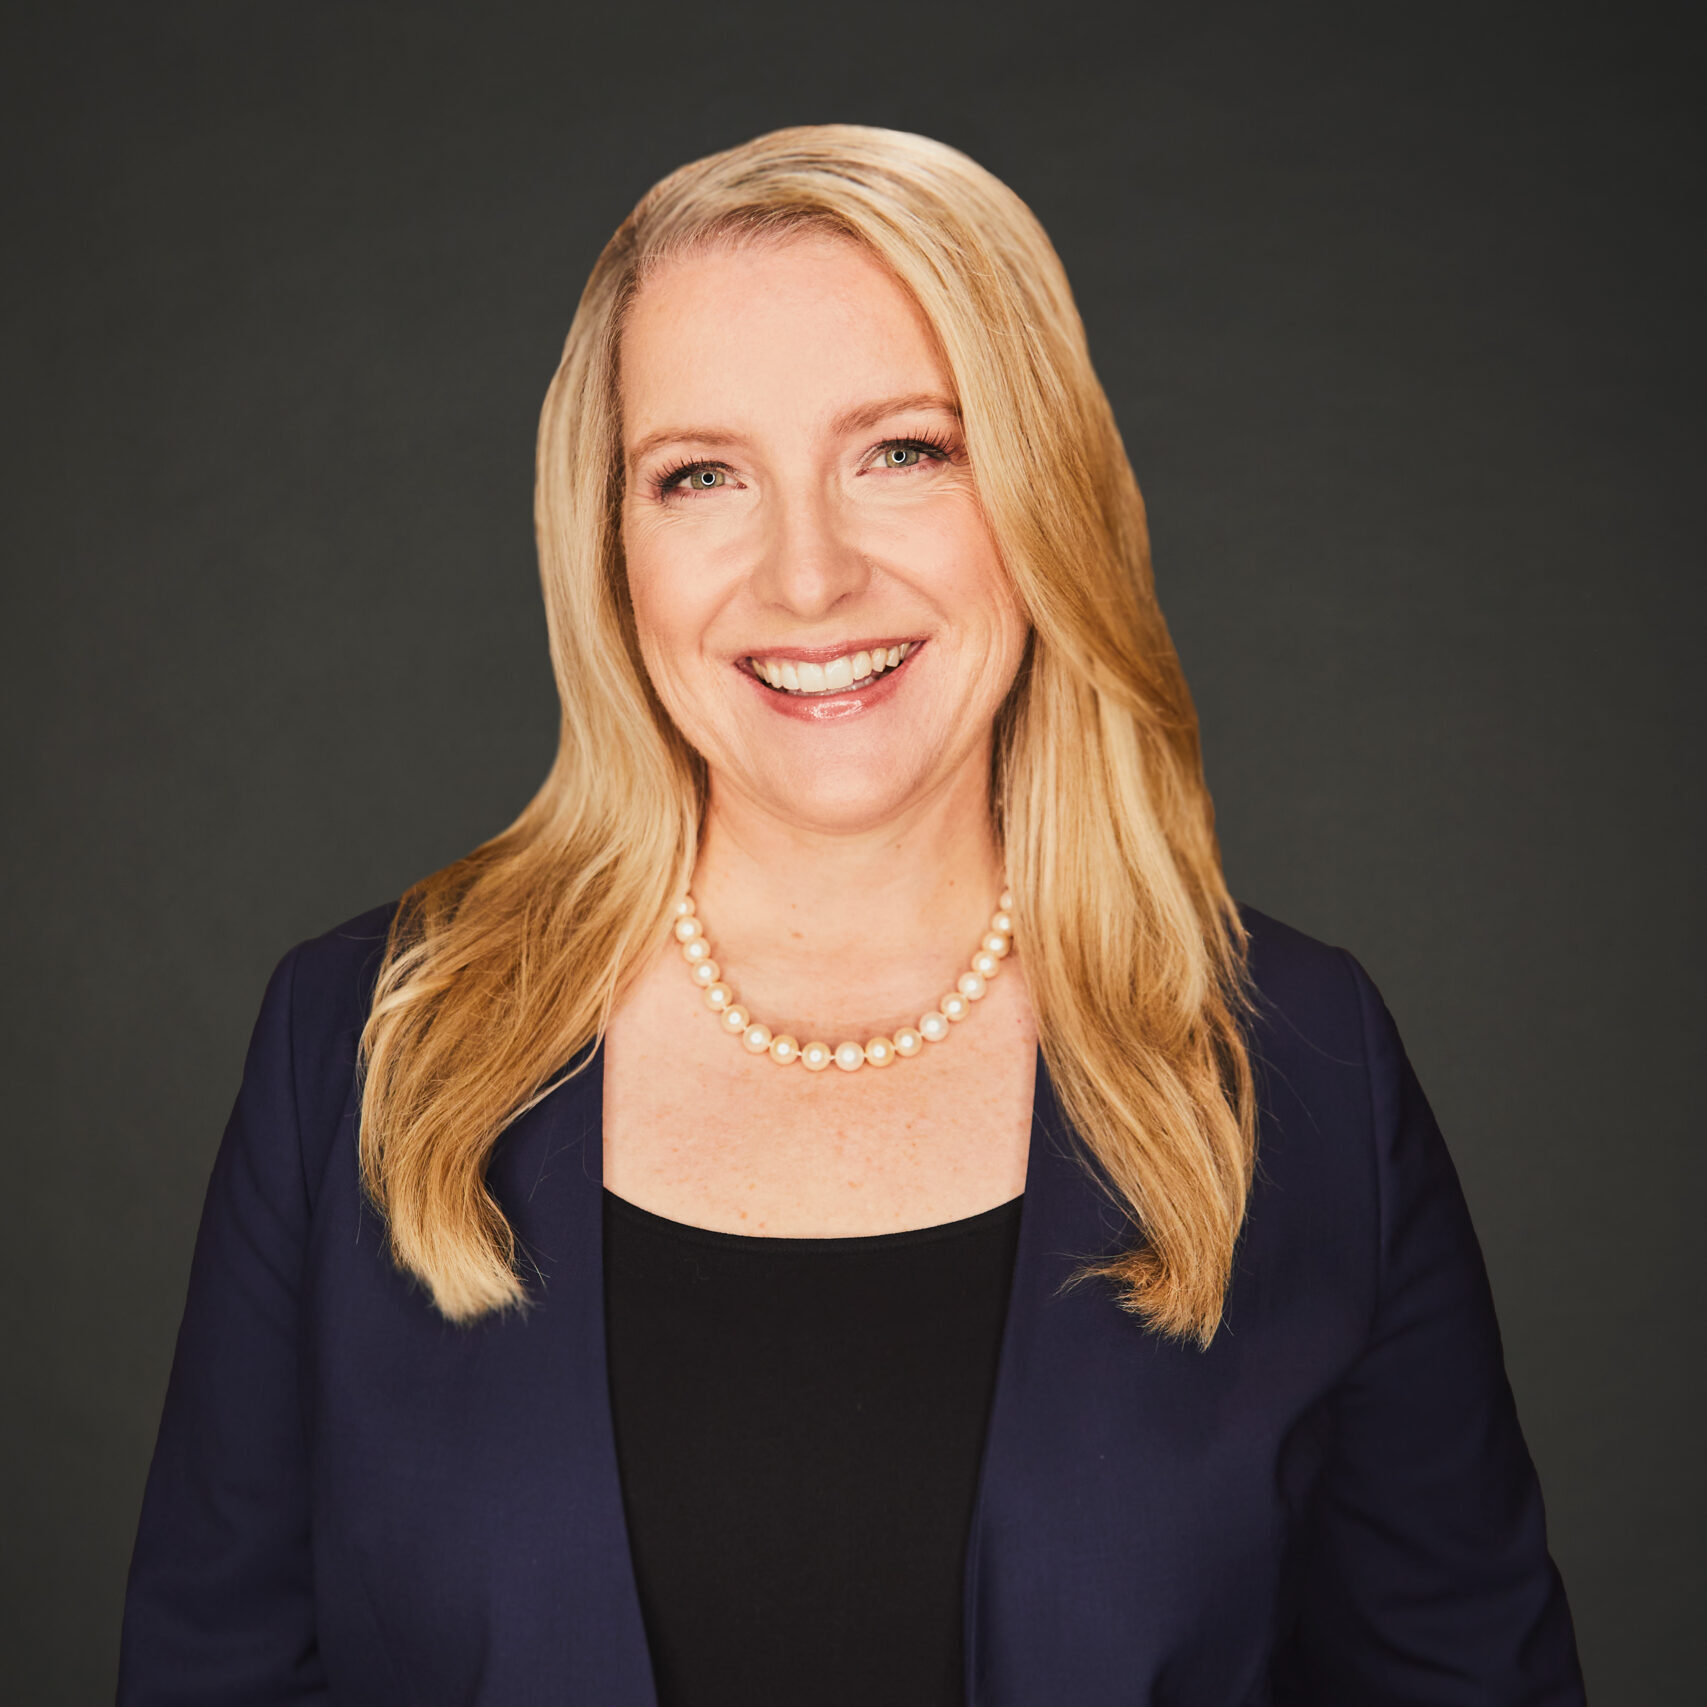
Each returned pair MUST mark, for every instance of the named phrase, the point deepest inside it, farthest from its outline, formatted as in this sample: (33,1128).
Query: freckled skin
(847,867)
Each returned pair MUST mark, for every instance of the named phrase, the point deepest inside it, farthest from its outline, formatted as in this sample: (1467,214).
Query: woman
(613,1294)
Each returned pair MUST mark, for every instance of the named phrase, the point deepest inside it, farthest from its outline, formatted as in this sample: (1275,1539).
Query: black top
(799,1424)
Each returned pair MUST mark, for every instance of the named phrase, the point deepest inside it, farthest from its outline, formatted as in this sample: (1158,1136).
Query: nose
(808,564)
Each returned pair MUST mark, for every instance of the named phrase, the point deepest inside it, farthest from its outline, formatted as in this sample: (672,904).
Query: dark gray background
(1398,308)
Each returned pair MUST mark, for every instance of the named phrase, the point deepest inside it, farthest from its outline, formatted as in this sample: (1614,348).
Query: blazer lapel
(1036,1513)
(1044,1554)
(580,1582)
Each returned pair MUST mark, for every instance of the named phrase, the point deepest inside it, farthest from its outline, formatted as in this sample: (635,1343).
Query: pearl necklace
(758,1039)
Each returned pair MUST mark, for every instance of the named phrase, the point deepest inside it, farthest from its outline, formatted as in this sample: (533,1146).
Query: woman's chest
(697,1130)
(1134,1495)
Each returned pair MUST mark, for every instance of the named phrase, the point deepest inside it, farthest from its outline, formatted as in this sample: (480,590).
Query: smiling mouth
(848,672)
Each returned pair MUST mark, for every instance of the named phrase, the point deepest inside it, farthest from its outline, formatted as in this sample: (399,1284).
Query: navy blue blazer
(354,1502)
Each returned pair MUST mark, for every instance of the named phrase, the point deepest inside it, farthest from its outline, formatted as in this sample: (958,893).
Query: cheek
(661,588)
(979,592)
(666,634)
(998,631)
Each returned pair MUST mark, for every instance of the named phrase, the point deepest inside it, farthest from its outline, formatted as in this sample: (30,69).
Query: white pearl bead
(1006,901)
(908,1041)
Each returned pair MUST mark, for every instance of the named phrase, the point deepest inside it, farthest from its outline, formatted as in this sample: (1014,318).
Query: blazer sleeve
(1426,1576)
(220,1605)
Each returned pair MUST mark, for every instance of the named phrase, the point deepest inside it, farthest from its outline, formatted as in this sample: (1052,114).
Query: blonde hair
(502,968)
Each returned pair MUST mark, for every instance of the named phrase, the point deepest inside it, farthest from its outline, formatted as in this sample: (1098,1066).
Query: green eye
(902,456)
(704,479)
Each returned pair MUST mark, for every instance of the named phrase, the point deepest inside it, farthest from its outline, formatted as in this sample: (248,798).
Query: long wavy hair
(502,968)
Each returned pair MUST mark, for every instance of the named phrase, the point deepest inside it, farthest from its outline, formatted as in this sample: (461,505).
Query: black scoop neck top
(799,1424)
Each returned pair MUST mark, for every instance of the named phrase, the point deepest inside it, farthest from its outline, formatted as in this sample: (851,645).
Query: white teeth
(840,673)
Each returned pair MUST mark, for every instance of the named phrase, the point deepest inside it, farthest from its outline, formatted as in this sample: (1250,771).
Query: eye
(694,477)
(911,453)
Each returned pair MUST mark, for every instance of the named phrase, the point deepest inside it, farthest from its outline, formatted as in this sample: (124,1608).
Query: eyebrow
(849,421)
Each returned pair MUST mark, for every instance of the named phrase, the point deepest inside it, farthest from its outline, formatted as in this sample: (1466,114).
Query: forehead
(792,329)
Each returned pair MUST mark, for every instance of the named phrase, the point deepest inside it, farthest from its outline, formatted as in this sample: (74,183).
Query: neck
(788,894)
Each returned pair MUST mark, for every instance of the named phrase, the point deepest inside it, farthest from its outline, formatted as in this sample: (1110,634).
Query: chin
(844,798)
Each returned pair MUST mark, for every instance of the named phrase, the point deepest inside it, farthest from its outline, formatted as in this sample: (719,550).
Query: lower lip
(832,707)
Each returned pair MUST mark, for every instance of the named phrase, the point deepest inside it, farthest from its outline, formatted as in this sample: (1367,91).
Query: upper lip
(823,654)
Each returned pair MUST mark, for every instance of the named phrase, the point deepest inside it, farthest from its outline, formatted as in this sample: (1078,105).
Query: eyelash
(936,448)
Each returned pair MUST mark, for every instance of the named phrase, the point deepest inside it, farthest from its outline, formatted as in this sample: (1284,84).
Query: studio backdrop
(1399,312)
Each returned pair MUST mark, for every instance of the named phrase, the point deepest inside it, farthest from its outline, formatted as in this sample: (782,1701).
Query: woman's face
(821,606)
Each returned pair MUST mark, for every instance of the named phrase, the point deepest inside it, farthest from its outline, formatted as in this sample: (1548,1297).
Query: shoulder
(321,993)
(1314,1002)
(1340,1104)
(332,975)
(1311,1240)
(1325,1052)
(1305,993)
